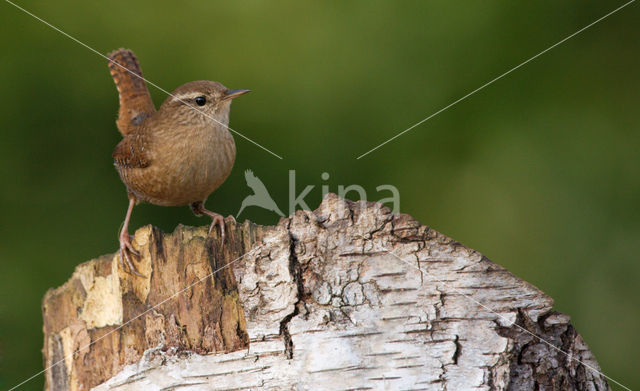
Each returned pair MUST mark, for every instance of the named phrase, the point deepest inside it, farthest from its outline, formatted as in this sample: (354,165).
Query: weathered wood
(349,296)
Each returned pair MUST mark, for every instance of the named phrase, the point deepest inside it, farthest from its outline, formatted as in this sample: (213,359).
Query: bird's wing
(131,153)
(135,102)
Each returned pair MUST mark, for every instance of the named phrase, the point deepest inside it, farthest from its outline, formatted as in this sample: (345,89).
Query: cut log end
(349,296)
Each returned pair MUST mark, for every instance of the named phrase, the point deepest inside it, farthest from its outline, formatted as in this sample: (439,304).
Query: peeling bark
(349,296)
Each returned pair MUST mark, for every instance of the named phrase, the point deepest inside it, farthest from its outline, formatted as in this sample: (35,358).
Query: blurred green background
(539,171)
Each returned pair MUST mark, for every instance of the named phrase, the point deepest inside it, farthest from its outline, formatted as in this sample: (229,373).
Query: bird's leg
(199,210)
(125,243)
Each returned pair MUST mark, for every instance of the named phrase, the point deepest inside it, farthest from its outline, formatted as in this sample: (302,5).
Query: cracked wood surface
(346,297)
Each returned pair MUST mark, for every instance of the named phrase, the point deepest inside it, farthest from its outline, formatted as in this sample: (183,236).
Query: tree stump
(349,296)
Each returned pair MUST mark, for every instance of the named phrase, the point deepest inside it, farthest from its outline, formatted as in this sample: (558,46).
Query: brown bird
(175,156)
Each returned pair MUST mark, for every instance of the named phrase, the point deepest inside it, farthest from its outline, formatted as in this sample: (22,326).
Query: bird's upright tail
(135,101)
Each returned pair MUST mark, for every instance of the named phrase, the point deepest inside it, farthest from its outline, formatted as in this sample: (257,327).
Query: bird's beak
(234,94)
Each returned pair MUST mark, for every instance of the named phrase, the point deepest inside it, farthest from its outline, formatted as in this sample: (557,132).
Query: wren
(175,156)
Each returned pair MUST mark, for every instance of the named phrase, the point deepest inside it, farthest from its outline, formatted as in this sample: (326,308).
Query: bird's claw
(125,249)
(129,246)
(217,220)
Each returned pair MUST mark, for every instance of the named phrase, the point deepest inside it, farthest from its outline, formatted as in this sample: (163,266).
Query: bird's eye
(201,100)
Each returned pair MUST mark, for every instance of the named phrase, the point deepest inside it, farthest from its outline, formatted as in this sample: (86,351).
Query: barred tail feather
(135,102)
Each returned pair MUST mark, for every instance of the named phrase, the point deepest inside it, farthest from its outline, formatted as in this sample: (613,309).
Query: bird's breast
(188,164)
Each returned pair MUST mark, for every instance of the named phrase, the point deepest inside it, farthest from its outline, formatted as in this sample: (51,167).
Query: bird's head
(201,100)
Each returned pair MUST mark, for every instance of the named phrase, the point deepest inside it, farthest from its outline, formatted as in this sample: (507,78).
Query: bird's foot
(217,219)
(199,210)
(126,252)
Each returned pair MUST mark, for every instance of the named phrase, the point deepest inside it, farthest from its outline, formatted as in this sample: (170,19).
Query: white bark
(329,307)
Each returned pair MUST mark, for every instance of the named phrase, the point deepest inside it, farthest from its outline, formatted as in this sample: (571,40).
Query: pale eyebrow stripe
(186,96)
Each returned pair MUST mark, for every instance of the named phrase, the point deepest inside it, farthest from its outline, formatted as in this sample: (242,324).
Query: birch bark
(349,296)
